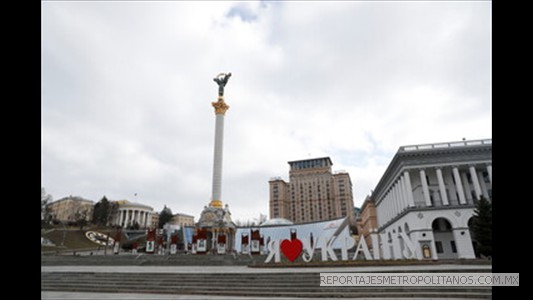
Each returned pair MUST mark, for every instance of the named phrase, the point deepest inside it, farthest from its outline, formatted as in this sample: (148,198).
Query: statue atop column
(221,80)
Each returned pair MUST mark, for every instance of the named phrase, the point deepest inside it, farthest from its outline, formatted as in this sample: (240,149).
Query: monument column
(216,217)
(220,111)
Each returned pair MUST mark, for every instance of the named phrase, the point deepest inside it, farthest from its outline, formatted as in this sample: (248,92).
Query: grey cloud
(127,86)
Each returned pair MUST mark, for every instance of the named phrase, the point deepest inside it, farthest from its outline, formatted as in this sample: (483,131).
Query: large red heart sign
(291,249)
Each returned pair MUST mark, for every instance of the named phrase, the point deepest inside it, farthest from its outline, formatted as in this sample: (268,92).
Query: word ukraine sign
(384,248)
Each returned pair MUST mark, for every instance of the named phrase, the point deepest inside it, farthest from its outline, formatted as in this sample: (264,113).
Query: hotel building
(312,194)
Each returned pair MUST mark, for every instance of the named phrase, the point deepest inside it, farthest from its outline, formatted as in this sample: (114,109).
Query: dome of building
(276,221)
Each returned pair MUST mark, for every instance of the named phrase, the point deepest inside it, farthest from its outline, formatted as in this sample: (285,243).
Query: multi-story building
(312,194)
(368,220)
(154,217)
(182,220)
(429,192)
(69,209)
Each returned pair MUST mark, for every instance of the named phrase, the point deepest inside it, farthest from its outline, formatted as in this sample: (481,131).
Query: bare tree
(45,211)
(81,218)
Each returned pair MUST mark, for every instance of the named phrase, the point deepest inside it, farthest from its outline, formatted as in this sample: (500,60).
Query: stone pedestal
(217,221)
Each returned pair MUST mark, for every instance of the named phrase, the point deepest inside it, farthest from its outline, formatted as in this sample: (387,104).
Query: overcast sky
(127,90)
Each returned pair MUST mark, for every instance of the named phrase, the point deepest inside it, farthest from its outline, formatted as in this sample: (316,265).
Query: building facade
(368,220)
(182,220)
(154,219)
(68,209)
(429,192)
(131,213)
(312,194)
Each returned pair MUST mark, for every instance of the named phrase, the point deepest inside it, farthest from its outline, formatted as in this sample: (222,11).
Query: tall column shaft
(396,192)
(475,182)
(467,189)
(425,189)
(145,217)
(459,185)
(217,160)
(409,189)
(484,190)
(403,192)
(394,200)
(442,187)
(489,170)
(220,110)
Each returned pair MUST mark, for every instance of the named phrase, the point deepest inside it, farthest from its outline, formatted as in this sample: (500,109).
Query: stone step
(302,285)
(280,293)
(224,281)
(175,260)
(274,293)
(265,289)
(217,283)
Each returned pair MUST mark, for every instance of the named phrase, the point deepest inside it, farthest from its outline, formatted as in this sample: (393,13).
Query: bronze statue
(221,80)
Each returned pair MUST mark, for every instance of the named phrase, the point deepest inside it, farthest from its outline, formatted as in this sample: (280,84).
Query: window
(486,176)
(469,178)
(438,245)
(454,248)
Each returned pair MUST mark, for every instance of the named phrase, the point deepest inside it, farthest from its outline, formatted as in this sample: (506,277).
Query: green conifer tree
(482,226)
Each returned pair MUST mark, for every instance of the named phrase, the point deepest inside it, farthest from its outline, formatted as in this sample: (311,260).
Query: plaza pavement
(116,296)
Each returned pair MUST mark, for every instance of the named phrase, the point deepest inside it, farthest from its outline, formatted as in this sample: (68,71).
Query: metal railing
(445,145)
